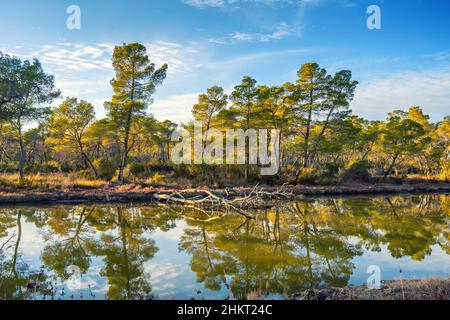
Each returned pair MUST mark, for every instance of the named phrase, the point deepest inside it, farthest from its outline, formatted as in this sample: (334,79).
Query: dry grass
(430,178)
(56,181)
(427,289)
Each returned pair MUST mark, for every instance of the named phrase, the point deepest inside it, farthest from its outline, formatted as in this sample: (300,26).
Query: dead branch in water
(199,199)
(208,199)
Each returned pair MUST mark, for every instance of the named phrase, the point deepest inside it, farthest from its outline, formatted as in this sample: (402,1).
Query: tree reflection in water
(287,249)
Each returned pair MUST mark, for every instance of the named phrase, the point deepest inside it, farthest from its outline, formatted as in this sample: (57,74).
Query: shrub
(445,172)
(332,168)
(358,171)
(139,170)
(106,168)
(308,175)
(45,167)
(156,179)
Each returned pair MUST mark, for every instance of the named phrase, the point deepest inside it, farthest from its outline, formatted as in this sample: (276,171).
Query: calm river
(118,252)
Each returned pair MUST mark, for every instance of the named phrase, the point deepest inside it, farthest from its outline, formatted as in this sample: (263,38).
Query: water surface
(120,252)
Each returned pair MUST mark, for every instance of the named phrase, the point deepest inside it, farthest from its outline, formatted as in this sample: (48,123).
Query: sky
(217,42)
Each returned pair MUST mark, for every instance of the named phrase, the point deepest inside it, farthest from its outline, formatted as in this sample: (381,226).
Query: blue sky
(216,42)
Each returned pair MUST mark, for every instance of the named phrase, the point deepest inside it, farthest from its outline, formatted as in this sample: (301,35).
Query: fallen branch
(201,198)
(235,201)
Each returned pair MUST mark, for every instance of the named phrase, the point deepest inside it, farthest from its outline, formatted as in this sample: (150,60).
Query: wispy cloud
(69,57)
(85,70)
(180,58)
(279,32)
(440,56)
(291,27)
(202,4)
(237,4)
(206,3)
(78,57)
(239,61)
(81,70)
(429,89)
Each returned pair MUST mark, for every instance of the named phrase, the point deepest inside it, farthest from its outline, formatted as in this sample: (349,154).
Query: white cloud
(202,4)
(162,273)
(85,70)
(75,57)
(297,9)
(440,56)
(71,57)
(206,3)
(237,4)
(429,89)
(243,60)
(281,31)
(176,108)
(180,58)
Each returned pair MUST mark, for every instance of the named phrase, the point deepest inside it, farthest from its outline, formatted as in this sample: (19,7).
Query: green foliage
(106,168)
(319,137)
(68,125)
(309,175)
(135,81)
(445,172)
(402,136)
(25,91)
(358,171)
(209,105)
(10,70)
(157,179)
(50,166)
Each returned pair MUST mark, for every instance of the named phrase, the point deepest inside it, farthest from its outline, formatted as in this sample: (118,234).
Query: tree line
(320,139)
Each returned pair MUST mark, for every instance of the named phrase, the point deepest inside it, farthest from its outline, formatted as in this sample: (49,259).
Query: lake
(138,252)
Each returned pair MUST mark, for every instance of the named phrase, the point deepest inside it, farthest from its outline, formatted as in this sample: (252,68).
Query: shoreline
(138,194)
(398,290)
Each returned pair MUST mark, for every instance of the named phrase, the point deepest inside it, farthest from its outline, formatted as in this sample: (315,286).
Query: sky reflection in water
(142,252)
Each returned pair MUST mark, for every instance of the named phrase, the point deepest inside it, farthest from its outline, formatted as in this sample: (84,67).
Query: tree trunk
(16,247)
(306,151)
(88,161)
(389,170)
(22,153)
(247,148)
(124,254)
(307,134)
(280,152)
(123,163)
(297,175)
(90,165)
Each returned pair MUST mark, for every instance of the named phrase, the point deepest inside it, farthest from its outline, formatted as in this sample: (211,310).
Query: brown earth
(136,193)
(429,289)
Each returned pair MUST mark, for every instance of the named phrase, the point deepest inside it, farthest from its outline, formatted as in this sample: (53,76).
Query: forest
(321,141)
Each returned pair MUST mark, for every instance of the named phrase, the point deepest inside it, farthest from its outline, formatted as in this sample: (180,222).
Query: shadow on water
(289,248)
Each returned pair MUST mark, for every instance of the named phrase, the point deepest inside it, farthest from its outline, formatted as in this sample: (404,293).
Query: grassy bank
(49,182)
(62,188)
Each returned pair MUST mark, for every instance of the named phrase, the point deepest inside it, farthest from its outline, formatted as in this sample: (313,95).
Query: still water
(119,252)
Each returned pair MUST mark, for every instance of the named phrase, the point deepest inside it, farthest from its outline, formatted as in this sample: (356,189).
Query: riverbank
(135,193)
(429,289)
